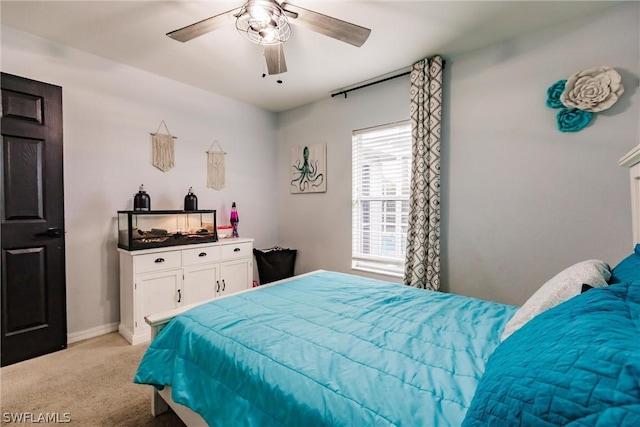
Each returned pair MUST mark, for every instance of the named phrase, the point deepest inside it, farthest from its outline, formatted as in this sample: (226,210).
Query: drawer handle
(179,296)
(224,285)
(236,250)
(159,260)
(202,254)
(218,288)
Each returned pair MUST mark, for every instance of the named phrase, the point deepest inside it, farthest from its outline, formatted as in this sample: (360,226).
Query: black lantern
(190,201)
(142,201)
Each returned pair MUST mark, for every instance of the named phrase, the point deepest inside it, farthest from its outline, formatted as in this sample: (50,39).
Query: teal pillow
(576,364)
(628,269)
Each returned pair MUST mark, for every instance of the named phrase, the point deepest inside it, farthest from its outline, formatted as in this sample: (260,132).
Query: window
(380,197)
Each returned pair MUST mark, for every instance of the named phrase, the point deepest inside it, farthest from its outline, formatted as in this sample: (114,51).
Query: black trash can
(275,263)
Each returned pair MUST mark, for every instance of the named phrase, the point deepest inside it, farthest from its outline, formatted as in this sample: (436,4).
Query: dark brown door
(33,311)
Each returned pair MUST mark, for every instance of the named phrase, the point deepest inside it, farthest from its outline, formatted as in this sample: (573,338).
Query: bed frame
(632,161)
(161,400)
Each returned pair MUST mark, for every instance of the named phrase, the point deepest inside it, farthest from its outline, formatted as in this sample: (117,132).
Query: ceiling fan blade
(323,24)
(205,26)
(274,55)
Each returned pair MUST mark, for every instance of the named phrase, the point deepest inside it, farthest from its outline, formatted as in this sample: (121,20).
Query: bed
(333,349)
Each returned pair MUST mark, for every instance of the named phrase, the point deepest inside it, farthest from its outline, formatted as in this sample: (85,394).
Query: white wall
(108,111)
(318,225)
(520,200)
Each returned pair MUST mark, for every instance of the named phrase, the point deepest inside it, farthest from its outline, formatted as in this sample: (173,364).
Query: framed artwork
(308,168)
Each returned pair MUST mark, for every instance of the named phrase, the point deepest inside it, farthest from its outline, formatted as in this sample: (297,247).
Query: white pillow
(563,286)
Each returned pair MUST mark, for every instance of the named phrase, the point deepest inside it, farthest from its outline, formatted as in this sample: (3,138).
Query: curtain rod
(344,92)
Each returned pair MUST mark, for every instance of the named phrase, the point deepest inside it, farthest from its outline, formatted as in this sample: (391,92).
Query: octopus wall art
(308,169)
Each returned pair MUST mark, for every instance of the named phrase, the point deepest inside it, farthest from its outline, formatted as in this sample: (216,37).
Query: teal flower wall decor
(572,119)
(553,94)
(582,94)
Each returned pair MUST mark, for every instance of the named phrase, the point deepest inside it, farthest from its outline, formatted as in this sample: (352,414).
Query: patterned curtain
(422,265)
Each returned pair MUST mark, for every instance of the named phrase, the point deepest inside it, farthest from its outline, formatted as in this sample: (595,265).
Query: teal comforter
(328,349)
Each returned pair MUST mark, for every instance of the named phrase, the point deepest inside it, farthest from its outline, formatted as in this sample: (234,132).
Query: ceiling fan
(266,23)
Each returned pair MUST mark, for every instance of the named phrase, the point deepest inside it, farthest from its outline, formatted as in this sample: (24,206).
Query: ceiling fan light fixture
(259,13)
(263,22)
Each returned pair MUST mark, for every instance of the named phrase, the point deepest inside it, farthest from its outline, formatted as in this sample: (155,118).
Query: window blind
(381,167)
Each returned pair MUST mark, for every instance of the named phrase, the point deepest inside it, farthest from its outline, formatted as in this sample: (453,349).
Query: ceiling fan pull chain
(264,63)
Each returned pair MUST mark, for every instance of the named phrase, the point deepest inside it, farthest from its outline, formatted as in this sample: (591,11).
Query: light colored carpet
(91,381)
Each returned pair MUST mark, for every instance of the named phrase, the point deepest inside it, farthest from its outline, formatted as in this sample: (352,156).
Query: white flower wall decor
(595,89)
(582,94)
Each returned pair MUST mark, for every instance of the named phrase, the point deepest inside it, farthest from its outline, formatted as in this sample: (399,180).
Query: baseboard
(90,333)
(144,336)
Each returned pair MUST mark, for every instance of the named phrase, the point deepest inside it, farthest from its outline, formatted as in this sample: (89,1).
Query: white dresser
(156,280)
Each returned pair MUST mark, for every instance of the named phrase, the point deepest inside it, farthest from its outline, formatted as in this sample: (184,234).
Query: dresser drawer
(239,250)
(157,261)
(198,256)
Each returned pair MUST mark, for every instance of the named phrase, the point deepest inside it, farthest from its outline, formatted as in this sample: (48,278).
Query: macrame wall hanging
(162,148)
(215,167)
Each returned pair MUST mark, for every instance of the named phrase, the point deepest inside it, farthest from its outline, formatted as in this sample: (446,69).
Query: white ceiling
(223,62)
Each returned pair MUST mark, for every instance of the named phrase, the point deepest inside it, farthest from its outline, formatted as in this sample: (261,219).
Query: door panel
(157,292)
(25,297)
(23,179)
(234,276)
(200,283)
(34,318)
